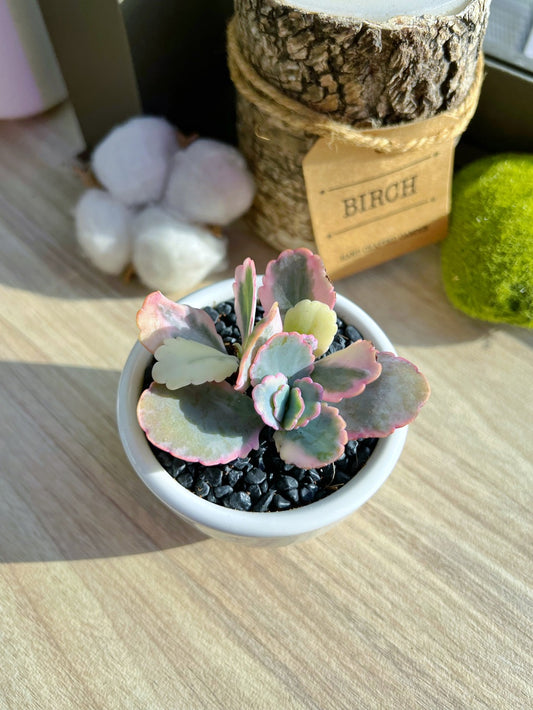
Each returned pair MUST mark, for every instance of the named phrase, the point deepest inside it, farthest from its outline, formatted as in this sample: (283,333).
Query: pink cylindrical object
(30,77)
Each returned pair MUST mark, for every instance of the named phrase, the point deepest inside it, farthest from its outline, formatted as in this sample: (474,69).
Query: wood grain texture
(422,599)
(368,75)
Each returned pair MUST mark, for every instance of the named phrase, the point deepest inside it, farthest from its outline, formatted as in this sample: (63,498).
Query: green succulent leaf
(210,423)
(160,319)
(295,275)
(288,353)
(245,291)
(310,394)
(182,362)
(391,401)
(270,397)
(279,399)
(315,318)
(318,443)
(294,409)
(265,329)
(347,372)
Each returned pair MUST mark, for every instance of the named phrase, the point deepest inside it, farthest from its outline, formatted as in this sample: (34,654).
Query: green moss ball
(487,257)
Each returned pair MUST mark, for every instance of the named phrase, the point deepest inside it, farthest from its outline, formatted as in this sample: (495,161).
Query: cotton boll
(103,231)
(132,162)
(174,256)
(210,183)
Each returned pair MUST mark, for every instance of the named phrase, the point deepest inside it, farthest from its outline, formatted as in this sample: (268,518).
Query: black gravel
(262,482)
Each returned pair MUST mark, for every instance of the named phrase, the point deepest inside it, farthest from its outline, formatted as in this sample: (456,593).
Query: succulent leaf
(210,423)
(270,397)
(265,329)
(245,291)
(391,401)
(294,410)
(295,275)
(160,318)
(319,443)
(182,362)
(279,400)
(288,353)
(310,394)
(347,372)
(315,318)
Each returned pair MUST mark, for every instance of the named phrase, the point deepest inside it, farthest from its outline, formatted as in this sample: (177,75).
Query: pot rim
(295,521)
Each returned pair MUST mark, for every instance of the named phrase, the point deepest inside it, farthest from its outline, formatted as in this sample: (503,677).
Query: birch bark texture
(366,74)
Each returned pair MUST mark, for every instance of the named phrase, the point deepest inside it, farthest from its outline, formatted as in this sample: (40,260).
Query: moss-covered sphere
(487,257)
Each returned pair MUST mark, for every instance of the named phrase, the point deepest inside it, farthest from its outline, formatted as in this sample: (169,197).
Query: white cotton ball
(210,183)
(103,231)
(132,162)
(174,256)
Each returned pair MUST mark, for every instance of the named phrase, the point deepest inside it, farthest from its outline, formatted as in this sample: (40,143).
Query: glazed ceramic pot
(252,528)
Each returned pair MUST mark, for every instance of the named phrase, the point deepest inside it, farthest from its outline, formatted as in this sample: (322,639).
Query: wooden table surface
(421,599)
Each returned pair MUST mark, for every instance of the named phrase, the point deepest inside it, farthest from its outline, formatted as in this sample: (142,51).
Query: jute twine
(298,117)
(280,214)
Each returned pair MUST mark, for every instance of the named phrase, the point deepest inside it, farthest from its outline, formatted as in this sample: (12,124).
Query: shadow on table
(67,490)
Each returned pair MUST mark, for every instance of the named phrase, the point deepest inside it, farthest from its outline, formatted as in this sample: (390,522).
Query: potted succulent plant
(292,394)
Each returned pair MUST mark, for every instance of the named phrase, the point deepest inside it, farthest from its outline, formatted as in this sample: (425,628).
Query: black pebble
(239,500)
(281,503)
(221,491)
(186,479)
(202,488)
(213,476)
(352,333)
(285,483)
(214,315)
(255,475)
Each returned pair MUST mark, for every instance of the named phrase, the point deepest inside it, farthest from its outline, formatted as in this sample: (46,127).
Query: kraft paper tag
(368,207)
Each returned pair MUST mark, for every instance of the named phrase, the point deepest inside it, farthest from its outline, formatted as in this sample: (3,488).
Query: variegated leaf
(391,401)
(295,275)
(295,408)
(265,329)
(347,372)
(310,394)
(245,291)
(319,443)
(182,362)
(289,353)
(210,423)
(270,397)
(160,318)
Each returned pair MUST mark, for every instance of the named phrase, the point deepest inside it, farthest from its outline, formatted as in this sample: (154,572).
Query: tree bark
(365,74)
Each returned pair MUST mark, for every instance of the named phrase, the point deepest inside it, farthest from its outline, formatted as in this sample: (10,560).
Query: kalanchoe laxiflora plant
(314,404)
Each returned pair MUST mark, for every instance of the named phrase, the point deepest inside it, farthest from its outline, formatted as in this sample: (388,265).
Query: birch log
(366,73)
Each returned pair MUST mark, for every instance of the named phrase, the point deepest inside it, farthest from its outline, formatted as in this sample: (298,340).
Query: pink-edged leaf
(319,443)
(310,394)
(245,291)
(294,410)
(182,362)
(391,401)
(295,275)
(347,372)
(270,397)
(263,331)
(160,318)
(210,423)
(279,401)
(289,353)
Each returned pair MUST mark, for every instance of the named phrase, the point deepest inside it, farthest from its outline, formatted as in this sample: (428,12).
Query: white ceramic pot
(276,528)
